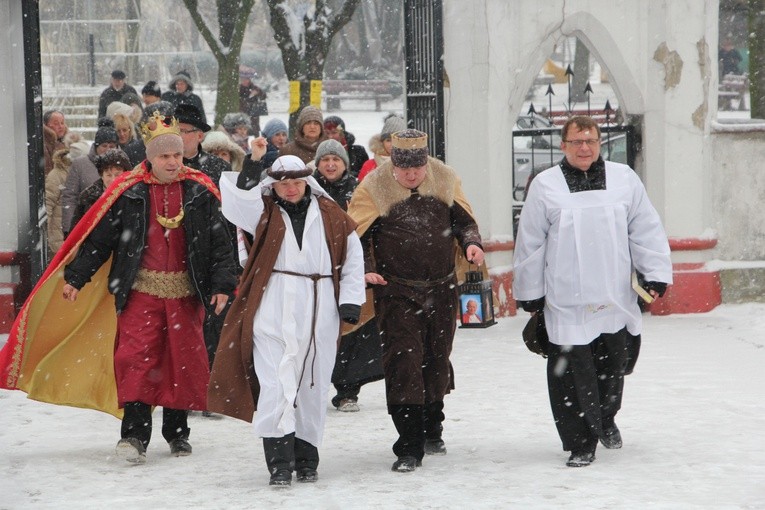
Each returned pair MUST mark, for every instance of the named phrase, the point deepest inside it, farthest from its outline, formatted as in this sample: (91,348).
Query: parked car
(536,146)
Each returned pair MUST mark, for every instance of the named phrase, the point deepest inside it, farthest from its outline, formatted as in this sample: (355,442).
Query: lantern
(476,301)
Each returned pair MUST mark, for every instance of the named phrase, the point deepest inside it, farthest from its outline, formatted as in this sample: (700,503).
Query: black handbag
(535,335)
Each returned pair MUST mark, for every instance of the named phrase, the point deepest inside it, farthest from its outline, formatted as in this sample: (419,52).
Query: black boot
(432,420)
(409,448)
(280,458)
(306,461)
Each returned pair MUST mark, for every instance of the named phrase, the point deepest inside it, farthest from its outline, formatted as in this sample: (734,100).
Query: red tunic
(160,356)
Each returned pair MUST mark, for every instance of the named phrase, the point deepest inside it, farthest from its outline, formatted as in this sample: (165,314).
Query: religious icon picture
(470,307)
(476,301)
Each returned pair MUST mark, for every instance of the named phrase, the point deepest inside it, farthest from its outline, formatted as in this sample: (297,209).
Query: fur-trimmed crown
(158,125)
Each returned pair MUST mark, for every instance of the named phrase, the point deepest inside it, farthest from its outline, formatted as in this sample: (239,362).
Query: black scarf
(297,213)
(591,179)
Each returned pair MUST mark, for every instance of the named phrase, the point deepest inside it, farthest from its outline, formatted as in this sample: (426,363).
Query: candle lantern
(476,301)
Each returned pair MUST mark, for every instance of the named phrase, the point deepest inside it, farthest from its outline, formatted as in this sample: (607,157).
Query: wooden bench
(733,88)
(336,91)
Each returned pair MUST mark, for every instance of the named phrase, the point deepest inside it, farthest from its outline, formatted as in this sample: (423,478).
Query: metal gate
(424,49)
(536,144)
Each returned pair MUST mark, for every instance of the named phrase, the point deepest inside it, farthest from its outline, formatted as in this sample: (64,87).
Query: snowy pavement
(692,421)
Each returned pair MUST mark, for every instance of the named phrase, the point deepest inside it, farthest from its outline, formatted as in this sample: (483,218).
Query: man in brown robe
(411,212)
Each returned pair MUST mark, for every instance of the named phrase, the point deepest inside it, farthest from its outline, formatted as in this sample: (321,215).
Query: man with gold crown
(170,253)
(412,216)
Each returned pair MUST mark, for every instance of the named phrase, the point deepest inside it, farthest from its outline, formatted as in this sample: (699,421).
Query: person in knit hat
(171,259)
(151,93)
(358,356)
(181,91)
(110,165)
(276,134)
(303,276)
(413,209)
(334,127)
(274,137)
(83,173)
(380,145)
(331,173)
(252,99)
(309,133)
(239,127)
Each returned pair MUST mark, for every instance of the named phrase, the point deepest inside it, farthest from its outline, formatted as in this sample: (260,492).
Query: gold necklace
(166,222)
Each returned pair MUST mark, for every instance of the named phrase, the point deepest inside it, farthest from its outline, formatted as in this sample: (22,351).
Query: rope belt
(163,284)
(315,277)
(420,284)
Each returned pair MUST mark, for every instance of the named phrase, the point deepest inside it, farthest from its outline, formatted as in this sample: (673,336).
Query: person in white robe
(296,327)
(586,225)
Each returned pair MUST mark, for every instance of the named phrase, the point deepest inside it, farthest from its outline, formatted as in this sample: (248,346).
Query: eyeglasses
(187,131)
(579,143)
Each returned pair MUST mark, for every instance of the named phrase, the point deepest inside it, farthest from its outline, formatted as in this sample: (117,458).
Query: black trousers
(585,384)
(136,422)
(211,329)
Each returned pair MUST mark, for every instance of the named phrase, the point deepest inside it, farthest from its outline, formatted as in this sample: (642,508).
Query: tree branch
(212,42)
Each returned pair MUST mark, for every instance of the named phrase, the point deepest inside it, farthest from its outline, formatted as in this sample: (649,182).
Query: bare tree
(304,37)
(232,21)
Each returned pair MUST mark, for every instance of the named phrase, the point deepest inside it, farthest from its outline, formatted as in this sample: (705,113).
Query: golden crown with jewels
(159,125)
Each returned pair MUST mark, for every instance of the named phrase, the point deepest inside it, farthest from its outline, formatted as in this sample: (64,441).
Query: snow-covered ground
(692,422)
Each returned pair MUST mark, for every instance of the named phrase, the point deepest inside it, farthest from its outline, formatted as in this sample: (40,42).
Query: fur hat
(151,89)
(410,148)
(119,107)
(182,75)
(218,140)
(105,134)
(308,114)
(288,167)
(392,124)
(334,121)
(331,146)
(190,114)
(231,121)
(273,127)
(113,157)
(118,74)
(77,149)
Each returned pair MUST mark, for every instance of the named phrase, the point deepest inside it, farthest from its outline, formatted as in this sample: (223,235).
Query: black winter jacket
(121,234)
(209,164)
(357,155)
(341,190)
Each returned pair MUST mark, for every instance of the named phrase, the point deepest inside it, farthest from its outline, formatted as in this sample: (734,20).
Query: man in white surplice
(585,226)
(299,306)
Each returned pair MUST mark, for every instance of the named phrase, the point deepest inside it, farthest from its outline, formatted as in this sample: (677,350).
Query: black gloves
(350,313)
(659,287)
(534,305)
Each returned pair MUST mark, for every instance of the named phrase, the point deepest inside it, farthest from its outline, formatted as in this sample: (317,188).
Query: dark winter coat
(357,155)
(341,190)
(122,232)
(86,200)
(212,166)
(135,150)
(252,172)
(110,95)
(188,97)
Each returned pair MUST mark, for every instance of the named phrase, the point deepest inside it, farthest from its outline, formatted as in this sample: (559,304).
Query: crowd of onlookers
(77,172)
